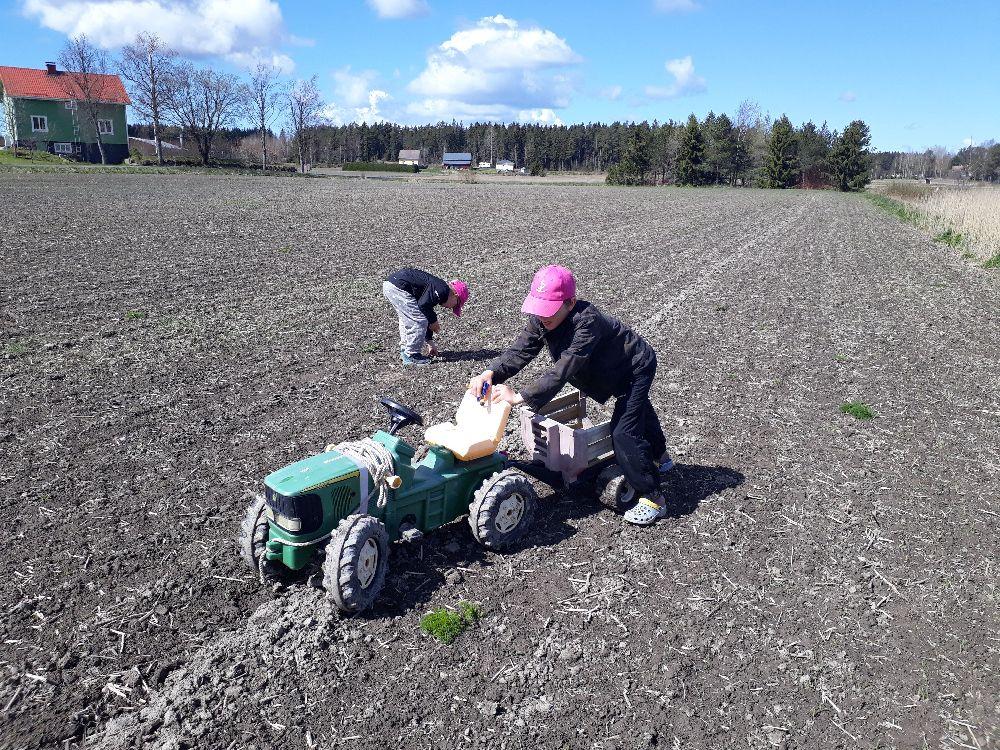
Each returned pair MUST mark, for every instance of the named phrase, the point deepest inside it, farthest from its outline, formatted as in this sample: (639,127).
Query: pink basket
(563,438)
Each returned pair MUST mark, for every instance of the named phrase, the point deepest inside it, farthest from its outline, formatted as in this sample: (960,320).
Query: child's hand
(506,393)
(434,327)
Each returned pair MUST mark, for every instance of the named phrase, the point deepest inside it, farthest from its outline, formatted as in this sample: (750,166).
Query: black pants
(636,434)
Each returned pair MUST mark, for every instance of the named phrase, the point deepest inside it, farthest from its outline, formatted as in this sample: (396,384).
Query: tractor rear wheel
(356,560)
(617,493)
(502,509)
(253,538)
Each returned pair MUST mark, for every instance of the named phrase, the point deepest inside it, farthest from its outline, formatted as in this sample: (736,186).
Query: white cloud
(357,100)
(847,96)
(968,142)
(398,8)
(352,88)
(495,69)
(611,92)
(280,62)
(675,6)
(541,116)
(241,30)
(685,82)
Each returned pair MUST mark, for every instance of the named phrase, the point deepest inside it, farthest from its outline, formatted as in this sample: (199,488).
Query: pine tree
(634,164)
(850,160)
(721,148)
(691,156)
(781,167)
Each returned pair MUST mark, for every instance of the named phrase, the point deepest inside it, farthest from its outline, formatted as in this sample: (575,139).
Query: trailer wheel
(502,509)
(252,539)
(357,556)
(617,494)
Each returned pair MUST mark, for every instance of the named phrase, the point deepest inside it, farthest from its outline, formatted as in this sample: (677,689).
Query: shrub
(993,262)
(379,166)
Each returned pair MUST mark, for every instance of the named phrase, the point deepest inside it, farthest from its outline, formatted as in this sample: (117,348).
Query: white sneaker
(647,511)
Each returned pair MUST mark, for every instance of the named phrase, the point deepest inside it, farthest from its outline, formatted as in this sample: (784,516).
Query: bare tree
(260,100)
(202,103)
(147,66)
(86,80)
(304,104)
(10,118)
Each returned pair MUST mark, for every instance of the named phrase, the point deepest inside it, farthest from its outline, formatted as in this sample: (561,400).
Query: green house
(46,110)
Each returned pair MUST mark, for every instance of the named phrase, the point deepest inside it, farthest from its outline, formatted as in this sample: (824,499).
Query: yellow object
(477,431)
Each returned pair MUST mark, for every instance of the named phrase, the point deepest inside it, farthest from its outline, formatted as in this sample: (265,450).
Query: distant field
(827,383)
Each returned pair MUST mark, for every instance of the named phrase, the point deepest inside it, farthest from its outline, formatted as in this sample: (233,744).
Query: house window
(62,148)
(71,104)
(39,124)
(105,127)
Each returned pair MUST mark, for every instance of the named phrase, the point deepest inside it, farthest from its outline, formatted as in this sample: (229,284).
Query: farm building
(46,113)
(484,165)
(413,156)
(505,165)
(457,160)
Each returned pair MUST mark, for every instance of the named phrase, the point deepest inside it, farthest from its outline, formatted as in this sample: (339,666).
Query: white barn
(505,165)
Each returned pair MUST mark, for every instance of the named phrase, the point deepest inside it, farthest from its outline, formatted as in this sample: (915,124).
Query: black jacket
(426,288)
(594,352)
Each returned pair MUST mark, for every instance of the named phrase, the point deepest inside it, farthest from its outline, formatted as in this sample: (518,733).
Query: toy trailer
(561,439)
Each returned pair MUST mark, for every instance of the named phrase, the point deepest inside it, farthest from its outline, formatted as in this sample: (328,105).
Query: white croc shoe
(647,511)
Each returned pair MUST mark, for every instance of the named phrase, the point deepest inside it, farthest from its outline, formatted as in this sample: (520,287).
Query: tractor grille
(342,501)
(307,508)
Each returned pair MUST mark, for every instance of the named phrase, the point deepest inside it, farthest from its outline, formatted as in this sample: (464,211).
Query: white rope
(376,457)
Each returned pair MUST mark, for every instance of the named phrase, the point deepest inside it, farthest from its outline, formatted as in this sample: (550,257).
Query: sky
(920,73)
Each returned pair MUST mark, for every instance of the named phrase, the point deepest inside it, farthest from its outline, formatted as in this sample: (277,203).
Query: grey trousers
(412,323)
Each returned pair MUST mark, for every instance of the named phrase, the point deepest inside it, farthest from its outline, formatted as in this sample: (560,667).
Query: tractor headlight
(285,522)
(298,514)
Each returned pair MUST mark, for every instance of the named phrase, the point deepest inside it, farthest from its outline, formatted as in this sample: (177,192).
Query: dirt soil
(822,582)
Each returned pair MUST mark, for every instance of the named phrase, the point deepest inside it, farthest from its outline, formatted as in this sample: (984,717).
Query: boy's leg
(630,437)
(412,323)
(654,432)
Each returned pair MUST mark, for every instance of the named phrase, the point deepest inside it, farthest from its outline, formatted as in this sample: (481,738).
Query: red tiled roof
(40,84)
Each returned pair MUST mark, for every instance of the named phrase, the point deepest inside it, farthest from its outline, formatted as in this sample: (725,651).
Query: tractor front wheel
(356,560)
(253,538)
(502,509)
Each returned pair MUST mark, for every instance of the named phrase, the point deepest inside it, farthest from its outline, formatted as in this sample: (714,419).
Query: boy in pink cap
(602,357)
(414,294)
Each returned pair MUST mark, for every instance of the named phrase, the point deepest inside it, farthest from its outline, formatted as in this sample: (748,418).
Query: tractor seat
(476,432)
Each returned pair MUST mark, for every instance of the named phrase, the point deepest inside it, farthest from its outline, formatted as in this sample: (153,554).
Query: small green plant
(284,249)
(858,410)
(840,358)
(900,210)
(993,262)
(950,237)
(446,624)
(16,347)
(371,347)
(135,315)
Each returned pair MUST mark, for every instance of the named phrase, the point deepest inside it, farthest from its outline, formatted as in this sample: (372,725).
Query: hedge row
(379,166)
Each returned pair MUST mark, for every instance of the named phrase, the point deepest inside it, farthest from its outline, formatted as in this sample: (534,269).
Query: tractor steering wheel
(400,416)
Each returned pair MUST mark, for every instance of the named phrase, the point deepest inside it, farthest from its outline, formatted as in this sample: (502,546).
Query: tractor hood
(311,473)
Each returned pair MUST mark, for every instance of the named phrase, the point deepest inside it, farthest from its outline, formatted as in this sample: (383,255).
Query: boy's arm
(524,349)
(585,340)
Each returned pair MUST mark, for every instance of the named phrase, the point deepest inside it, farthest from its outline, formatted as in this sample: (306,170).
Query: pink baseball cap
(461,290)
(551,286)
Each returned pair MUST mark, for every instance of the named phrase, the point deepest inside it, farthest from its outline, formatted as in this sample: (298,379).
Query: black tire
(616,493)
(357,557)
(502,509)
(254,531)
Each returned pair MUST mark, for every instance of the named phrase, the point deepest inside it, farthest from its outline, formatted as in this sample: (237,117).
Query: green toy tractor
(346,504)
